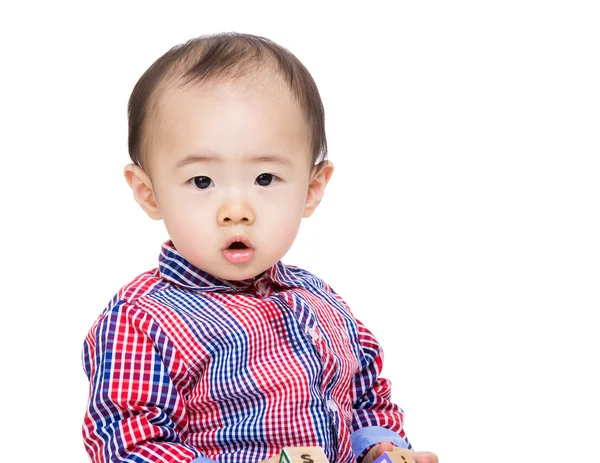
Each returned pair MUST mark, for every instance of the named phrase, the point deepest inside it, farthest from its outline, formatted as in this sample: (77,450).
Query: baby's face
(230,162)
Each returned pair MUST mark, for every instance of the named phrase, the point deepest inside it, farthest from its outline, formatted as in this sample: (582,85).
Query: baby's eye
(266,179)
(202,182)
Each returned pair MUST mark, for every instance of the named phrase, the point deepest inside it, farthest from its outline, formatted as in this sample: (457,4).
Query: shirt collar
(175,268)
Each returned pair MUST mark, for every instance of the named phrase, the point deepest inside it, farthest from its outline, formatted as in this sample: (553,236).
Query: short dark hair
(223,57)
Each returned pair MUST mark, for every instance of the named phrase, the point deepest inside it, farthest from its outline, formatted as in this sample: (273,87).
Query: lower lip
(238,256)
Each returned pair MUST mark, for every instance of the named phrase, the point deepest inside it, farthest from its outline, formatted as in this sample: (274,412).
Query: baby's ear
(320,176)
(141,185)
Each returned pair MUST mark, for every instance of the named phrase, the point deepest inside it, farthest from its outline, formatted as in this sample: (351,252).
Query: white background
(461,224)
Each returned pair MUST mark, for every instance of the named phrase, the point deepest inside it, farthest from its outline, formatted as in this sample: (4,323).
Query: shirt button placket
(333,427)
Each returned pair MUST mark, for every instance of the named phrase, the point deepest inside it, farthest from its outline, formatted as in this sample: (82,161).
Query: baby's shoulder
(141,287)
(137,292)
(133,298)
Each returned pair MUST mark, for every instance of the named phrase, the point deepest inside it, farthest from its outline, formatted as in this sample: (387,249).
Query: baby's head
(227,139)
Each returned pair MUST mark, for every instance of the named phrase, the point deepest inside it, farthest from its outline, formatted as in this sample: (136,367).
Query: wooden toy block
(397,455)
(302,455)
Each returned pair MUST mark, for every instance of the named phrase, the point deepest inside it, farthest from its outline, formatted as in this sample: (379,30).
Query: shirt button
(332,406)
(262,288)
(313,333)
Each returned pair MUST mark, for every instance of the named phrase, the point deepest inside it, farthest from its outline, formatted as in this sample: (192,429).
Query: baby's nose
(235,212)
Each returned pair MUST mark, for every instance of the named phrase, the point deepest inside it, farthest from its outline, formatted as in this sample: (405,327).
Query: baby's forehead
(264,85)
(257,109)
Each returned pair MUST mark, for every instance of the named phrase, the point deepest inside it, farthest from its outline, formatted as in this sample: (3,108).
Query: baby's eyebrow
(193,158)
(271,159)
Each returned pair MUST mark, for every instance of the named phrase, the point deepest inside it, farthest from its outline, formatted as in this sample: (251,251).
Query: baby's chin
(237,272)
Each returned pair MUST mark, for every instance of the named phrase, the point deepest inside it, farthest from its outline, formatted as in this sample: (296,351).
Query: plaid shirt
(184,366)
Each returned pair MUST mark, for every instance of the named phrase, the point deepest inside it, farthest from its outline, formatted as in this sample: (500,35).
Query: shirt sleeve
(135,412)
(375,417)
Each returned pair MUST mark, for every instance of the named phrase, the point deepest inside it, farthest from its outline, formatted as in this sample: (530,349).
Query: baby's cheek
(280,235)
(288,227)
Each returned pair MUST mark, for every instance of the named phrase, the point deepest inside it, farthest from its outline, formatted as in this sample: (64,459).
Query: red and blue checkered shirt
(184,366)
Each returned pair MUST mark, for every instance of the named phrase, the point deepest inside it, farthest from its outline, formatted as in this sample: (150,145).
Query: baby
(223,353)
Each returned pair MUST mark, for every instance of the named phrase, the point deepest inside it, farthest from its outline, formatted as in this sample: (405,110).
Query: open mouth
(239,250)
(238,243)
